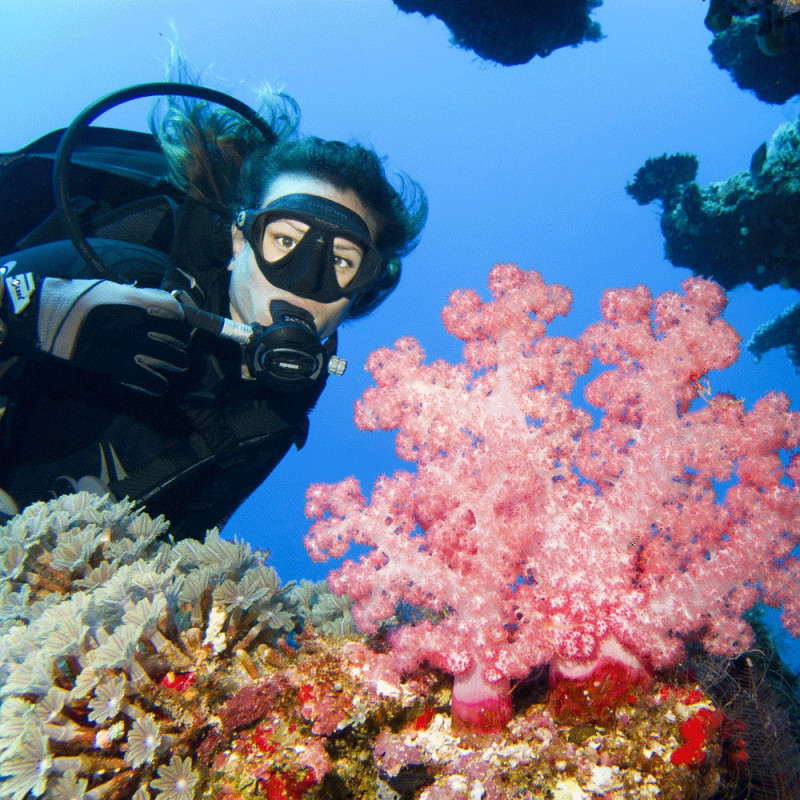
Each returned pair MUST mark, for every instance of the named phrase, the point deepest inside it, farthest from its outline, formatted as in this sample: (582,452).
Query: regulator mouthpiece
(286,356)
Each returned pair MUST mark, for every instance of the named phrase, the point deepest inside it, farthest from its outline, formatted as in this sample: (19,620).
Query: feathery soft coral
(546,537)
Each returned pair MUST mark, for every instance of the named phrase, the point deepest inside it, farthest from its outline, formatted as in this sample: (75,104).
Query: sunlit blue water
(525,164)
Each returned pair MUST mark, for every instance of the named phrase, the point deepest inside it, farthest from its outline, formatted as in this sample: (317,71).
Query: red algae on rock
(346,724)
(595,697)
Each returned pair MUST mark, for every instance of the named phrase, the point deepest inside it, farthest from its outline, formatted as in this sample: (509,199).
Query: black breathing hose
(76,128)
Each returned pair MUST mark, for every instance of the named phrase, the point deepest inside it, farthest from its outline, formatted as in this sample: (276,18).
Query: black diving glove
(136,336)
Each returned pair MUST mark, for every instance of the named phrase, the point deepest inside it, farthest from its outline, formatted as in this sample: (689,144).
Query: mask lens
(348,257)
(281,236)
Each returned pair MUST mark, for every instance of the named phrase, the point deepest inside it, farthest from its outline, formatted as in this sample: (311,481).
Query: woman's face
(251,293)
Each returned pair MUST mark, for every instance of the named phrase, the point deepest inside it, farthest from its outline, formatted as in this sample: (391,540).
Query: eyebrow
(345,244)
(294,224)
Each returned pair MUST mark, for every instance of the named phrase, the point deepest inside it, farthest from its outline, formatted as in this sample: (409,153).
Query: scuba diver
(168,312)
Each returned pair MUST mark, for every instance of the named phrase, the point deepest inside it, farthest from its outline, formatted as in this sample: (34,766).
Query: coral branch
(530,534)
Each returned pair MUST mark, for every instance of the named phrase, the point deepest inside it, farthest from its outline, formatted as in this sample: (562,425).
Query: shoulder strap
(202,249)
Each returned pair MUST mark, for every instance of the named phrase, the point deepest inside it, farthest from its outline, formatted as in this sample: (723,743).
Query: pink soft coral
(546,537)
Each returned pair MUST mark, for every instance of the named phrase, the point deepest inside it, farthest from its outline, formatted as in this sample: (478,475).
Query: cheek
(235,298)
(332,315)
(241,285)
(249,291)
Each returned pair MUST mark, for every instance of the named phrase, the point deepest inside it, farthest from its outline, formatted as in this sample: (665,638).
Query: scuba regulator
(287,355)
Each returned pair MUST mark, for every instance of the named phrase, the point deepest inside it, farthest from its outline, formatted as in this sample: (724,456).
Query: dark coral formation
(663,178)
(759,44)
(512,31)
(742,230)
(779,332)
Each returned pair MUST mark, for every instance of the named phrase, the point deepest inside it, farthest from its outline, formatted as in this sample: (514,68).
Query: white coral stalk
(215,635)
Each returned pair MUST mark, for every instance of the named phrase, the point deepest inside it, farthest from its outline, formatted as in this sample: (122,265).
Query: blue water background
(525,164)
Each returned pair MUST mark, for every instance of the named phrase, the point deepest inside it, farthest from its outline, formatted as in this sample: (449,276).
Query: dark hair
(219,159)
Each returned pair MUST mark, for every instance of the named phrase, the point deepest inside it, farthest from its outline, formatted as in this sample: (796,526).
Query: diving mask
(331,253)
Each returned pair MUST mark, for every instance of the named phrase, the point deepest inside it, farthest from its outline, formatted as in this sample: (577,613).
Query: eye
(281,236)
(347,257)
(286,242)
(345,270)
(340,262)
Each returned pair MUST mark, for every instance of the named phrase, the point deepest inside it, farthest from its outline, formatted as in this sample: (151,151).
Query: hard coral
(116,647)
(543,538)
(629,756)
(512,31)
(662,179)
(758,43)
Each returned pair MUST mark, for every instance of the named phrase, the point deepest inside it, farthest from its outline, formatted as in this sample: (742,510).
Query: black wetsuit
(194,454)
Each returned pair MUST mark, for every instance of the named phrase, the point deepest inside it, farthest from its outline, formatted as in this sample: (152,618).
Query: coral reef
(132,667)
(663,178)
(742,230)
(116,645)
(512,31)
(646,749)
(782,331)
(543,535)
(758,43)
